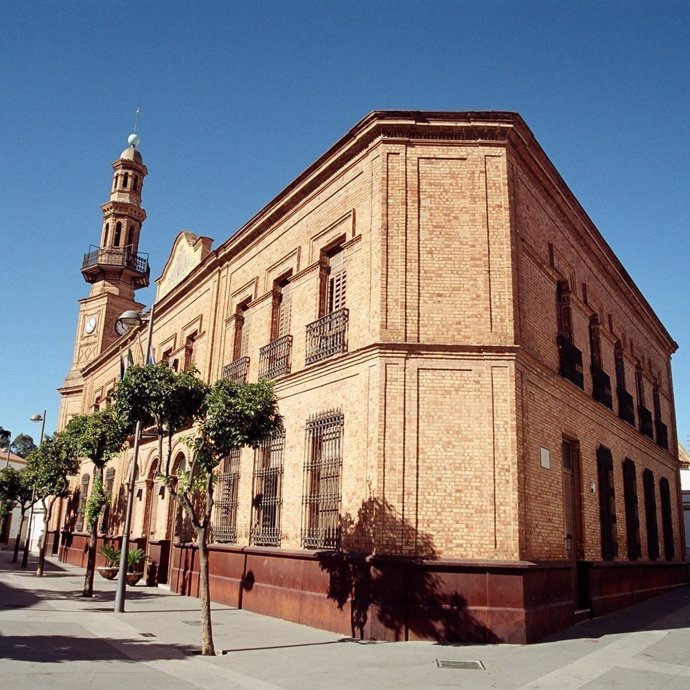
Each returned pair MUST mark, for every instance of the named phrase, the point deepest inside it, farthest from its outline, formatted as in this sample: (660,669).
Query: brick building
(479,440)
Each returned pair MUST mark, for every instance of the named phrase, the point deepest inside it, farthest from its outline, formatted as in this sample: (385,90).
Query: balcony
(661,434)
(100,259)
(275,359)
(237,371)
(646,425)
(602,387)
(626,409)
(570,362)
(327,336)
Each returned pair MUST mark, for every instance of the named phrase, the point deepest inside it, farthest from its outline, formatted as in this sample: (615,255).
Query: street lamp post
(131,318)
(25,556)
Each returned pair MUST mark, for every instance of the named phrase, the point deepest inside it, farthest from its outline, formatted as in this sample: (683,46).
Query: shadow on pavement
(62,648)
(668,611)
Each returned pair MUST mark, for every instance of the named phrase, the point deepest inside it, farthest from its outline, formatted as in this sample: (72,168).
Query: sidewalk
(52,638)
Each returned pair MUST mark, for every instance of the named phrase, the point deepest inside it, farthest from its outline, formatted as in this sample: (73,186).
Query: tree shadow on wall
(385,571)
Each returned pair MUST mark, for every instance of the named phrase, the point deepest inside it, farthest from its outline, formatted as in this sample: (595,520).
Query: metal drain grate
(146,635)
(473,664)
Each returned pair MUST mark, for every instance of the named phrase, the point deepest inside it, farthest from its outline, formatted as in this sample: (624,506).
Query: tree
(22,445)
(97,436)
(5,436)
(230,415)
(16,490)
(49,466)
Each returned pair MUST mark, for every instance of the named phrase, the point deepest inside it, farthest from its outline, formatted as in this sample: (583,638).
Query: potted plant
(135,565)
(112,561)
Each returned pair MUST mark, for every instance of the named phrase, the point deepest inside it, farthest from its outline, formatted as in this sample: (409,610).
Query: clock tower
(114,268)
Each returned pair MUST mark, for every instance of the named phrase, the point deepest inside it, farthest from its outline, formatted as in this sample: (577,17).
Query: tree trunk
(93,541)
(47,511)
(207,648)
(17,539)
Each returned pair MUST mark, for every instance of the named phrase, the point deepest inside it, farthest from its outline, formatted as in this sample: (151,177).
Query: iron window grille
(646,424)
(650,515)
(237,371)
(83,494)
(626,407)
(607,504)
(327,336)
(570,361)
(275,358)
(267,491)
(225,522)
(632,521)
(601,391)
(661,434)
(322,472)
(667,519)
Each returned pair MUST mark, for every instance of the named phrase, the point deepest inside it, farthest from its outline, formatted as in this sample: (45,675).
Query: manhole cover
(475,665)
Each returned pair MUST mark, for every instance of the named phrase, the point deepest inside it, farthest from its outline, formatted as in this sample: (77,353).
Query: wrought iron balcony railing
(237,371)
(661,434)
(626,409)
(570,362)
(646,425)
(275,358)
(118,257)
(327,336)
(602,387)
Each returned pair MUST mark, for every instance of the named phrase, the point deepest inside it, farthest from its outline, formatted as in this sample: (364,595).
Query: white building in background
(9,526)
(684,457)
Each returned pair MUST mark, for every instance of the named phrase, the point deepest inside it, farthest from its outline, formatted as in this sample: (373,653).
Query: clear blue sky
(238,98)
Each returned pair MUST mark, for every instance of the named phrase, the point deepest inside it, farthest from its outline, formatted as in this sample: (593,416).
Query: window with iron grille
(626,409)
(660,427)
(267,491)
(601,381)
(650,515)
(322,470)
(189,351)
(83,495)
(667,519)
(632,520)
(564,313)
(108,485)
(225,522)
(607,504)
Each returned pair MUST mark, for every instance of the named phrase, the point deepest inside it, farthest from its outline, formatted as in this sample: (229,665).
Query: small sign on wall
(546,458)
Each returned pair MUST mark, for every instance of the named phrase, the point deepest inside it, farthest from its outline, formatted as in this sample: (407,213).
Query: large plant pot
(133,578)
(109,572)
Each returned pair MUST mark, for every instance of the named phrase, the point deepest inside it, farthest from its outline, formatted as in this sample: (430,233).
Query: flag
(125,363)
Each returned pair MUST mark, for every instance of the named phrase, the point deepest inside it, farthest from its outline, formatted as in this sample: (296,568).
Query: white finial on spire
(133,140)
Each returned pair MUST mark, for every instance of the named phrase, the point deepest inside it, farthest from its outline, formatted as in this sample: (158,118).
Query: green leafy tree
(22,445)
(49,466)
(237,415)
(5,436)
(98,437)
(229,416)
(16,490)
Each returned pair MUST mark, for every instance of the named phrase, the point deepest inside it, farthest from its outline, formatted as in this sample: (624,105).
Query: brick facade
(453,231)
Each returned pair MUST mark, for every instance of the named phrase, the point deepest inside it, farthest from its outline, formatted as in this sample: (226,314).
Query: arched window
(130,233)
(106,233)
(125,182)
(118,234)
(83,495)
(135,182)
(115,179)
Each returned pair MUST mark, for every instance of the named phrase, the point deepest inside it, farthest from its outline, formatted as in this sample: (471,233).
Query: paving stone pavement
(51,637)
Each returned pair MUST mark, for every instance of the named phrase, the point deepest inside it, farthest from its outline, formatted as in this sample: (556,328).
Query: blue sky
(238,98)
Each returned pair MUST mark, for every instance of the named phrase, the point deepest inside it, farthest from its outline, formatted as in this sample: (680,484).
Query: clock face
(90,324)
(120,327)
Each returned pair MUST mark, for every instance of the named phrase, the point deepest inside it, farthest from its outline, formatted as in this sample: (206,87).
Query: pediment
(188,251)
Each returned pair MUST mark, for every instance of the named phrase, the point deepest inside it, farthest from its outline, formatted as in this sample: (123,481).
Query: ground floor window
(632,521)
(667,519)
(650,515)
(225,522)
(322,470)
(267,493)
(607,504)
